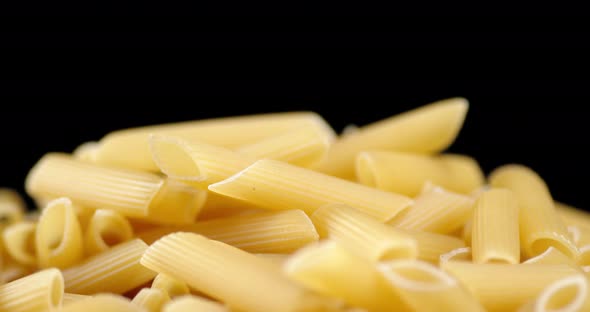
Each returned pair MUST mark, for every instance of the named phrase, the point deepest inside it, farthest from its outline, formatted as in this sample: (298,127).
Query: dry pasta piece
(41,291)
(131,193)
(428,129)
(12,271)
(87,151)
(569,294)
(12,208)
(432,245)
(552,256)
(331,270)
(218,206)
(129,148)
(573,216)
(495,228)
(426,288)
(58,238)
(467,232)
(436,210)
(102,303)
(363,234)
(268,232)
(150,299)
(406,173)
(274,258)
(206,265)
(540,226)
(105,229)
(459,254)
(171,286)
(193,303)
(116,270)
(276,185)
(71,298)
(506,287)
(19,242)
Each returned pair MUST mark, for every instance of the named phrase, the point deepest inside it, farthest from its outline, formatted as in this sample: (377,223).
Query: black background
(539,123)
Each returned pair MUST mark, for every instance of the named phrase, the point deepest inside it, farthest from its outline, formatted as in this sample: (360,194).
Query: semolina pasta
(105,229)
(171,286)
(569,294)
(40,291)
(150,299)
(194,303)
(19,243)
(70,298)
(101,303)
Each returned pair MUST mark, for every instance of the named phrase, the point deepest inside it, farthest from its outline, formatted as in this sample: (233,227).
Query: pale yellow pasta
(467,232)
(69,298)
(131,193)
(406,173)
(19,242)
(41,291)
(205,265)
(274,258)
(506,287)
(117,270)
(573,216)
(129,147)
(87,151)
(495,228)
(277,185)
(575,233)
(432,245)
(540,226)
(12,271)
(584,260)
(58,238)
(552,256)
(459,254)
(426,288)
(12,208)
(194,304)
(102,303)
(171,286)
(105,229)
(331,270)
(268,232)
(219,206)
(435,210)
(565,295)
(363,234)
(428,129)
(150,299)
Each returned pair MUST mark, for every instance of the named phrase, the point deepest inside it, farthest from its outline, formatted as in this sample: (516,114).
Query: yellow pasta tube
(58,238)
(218,206)
(150,299)
(41,291)
(12,208)
(575,217)
(192,304)
(494,285)
(431,245)
(116,270)
(459,254)
(428,129)
(540,226)
(551,256)
(269,232)
(69,298)
(171,286)
(276,185)
(102,303)
(205,266)
(467,231)
(87,152)
(131,193)
(276,259)
(406,173)
(12,271)
(363,234)
(105,229)
(19,242)
(129,148)
(331,270)
(565,295)
(495,228)
(584,260)
(436,210)
(426,288)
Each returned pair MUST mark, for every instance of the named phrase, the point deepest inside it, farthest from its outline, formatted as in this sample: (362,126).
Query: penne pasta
(329,269)
(428,130)
(540,226)
(467,232)
(218,206)
(269,232)
(551,256)
(105,229)
(363,234)
(406,173)
(116,270)
(87,152)
(487,282)
(131,193)
(12,271)
(573,216)
(426,288)
(436,210)
(101,303)
(41,291)
(58,237)
(459,254)
(431,245)
(71,298)
(205,264)
(569,294)
(495,228)
(192,304)
(171,286)
(150,299)
(19,243)
(274,258)
(584,260)
(12,208)
(275,185)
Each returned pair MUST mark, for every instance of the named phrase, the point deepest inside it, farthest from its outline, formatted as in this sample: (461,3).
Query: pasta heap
(277,213)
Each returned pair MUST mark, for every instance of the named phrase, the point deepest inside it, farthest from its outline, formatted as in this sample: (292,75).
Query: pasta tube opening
(173,158)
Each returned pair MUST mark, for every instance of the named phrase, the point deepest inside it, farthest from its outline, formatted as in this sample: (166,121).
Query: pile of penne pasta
(276,213)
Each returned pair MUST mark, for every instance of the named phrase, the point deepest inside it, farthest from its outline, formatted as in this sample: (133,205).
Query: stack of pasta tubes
(277,213)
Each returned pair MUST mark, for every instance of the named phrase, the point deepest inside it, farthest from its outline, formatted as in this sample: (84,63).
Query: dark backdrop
(540,123)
